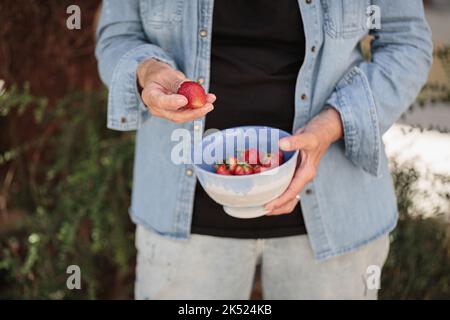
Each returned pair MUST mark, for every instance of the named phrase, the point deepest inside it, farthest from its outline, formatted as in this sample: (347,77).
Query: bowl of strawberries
(243,168)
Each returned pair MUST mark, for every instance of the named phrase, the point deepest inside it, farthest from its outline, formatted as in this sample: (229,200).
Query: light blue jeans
(206,267)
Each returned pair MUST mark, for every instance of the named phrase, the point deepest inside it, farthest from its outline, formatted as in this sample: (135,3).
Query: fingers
(304,174)
(192,114)
(155,96)
(288,207)
(170,79)
(171,106)
(185,115)
(158,95)
(211,98)
(298,141)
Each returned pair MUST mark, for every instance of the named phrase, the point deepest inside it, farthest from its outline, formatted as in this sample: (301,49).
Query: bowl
(242,196)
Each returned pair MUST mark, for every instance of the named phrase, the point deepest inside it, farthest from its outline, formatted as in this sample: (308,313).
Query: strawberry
(194,93)
(222,169)
(232,163)
(251,156)
(257,168)
(243,169)
(272,160)
(280,157)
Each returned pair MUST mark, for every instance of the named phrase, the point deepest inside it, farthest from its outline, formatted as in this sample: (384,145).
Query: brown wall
(36,46)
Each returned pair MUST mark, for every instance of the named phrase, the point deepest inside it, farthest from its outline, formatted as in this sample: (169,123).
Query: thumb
(295,142)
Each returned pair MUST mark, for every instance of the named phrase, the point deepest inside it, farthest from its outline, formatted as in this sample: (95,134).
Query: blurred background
(65,179)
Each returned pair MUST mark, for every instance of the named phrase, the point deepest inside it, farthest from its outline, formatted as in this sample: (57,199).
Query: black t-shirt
(257,50)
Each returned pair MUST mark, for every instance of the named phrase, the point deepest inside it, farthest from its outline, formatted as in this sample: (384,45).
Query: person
(293,65)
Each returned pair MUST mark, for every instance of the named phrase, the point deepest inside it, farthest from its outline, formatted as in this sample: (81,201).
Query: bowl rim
(197,167)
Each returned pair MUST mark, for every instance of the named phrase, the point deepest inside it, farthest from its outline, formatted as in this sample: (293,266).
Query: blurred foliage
(437,92)
(418,266)
(66,202)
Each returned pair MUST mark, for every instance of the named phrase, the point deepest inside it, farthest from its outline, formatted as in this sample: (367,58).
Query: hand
(313,141)
(159,83)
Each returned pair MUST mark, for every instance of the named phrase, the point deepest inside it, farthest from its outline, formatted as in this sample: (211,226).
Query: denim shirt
(351,201)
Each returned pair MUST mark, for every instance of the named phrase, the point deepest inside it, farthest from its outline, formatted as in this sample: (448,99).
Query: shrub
(418,266)
(70,189)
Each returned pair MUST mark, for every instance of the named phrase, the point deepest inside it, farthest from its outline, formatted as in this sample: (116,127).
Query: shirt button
(308,1)
(196,127)
(189,172)
(203,33)
(313,49)
(308,191)
(123,120)
(303,96)
(201,80)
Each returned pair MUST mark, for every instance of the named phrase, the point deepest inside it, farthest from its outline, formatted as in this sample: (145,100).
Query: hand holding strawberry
(160,82)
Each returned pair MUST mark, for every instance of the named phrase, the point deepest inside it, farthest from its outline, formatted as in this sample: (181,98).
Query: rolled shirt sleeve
(121,46)
(373,95)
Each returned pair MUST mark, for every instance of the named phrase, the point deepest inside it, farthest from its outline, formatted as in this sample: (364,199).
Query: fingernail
(181,100)
(284,144)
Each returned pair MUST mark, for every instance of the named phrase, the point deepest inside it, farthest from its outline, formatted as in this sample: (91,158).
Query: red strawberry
(222,169)
(232,163)
(257,168)
(280,157)
(251,156)
(194,93)
(243,169)
(272,160)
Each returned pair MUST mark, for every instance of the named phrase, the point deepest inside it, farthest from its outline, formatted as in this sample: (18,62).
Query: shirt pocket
(345,18)
(161,13)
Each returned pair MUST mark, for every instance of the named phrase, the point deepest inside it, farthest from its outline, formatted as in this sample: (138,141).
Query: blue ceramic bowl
(243,196)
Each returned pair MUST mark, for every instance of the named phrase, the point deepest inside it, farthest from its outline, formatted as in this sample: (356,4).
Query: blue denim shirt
(351,201)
